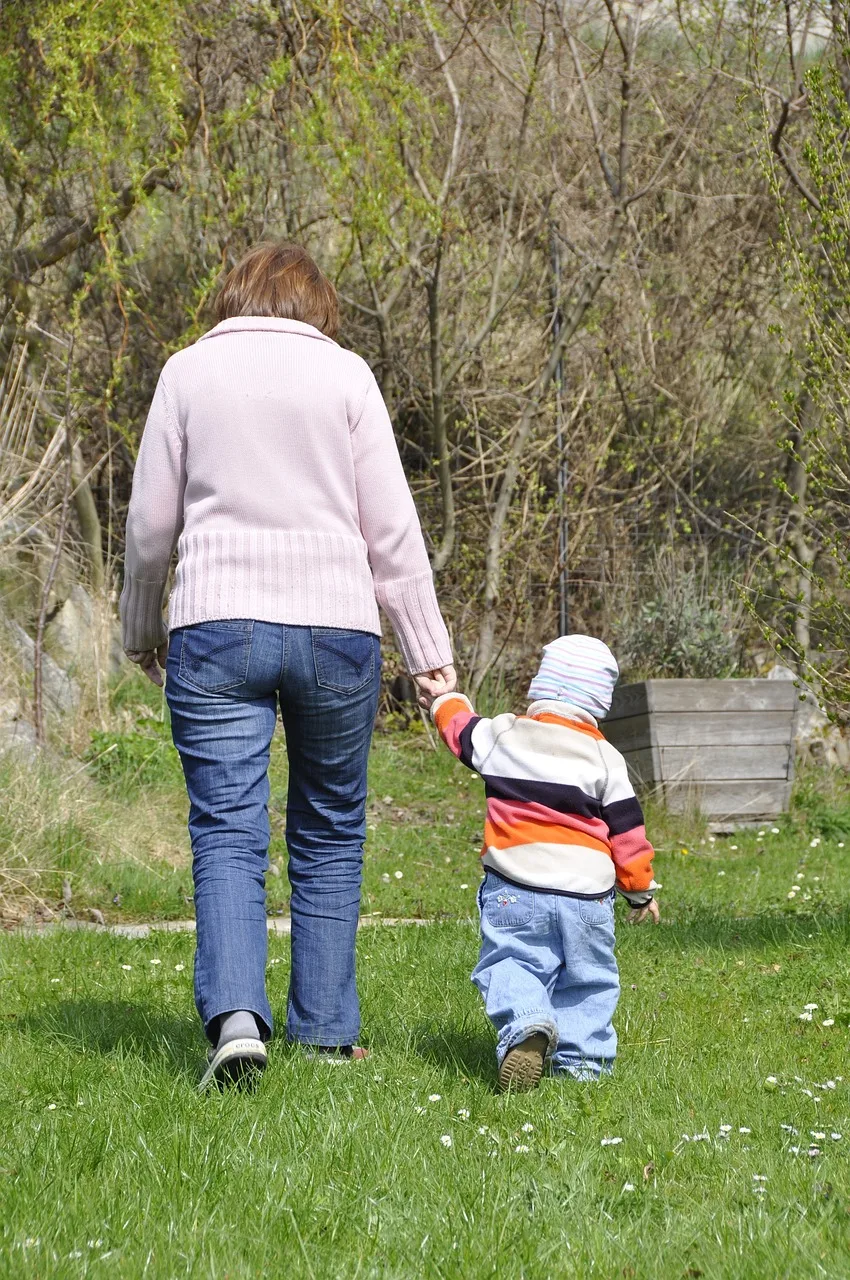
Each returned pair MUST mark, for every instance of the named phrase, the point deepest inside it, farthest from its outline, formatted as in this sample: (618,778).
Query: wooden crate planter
(725,747)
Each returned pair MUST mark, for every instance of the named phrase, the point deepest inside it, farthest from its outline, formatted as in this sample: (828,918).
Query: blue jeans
(224,683)
(547,964)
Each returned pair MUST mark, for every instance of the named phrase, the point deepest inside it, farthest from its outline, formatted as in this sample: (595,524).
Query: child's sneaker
(522,1066)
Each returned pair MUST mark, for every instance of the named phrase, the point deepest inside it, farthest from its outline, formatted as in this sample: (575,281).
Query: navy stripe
(465,741)
(554,795)
(623,816)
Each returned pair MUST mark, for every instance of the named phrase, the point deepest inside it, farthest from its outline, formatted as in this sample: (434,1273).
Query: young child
(563,830)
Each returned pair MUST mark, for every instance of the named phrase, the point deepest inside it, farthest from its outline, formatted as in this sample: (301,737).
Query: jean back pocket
(214,656)
(597,911)
(506,905)
(344,660)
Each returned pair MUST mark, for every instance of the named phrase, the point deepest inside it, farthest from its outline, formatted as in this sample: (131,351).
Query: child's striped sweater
(562,814)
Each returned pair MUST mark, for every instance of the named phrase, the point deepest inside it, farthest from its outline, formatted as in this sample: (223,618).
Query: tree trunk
(493,555)
(798,482)
(88,519)
(444,552)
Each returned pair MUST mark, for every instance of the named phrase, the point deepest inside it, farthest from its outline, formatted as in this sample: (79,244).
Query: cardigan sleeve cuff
(411,605)
(142,624)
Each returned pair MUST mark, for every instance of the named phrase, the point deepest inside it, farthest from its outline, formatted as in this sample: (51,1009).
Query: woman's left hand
(150,660)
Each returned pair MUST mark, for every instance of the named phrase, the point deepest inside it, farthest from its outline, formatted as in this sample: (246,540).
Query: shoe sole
(523,1065)
(237,1065)
(357,1054)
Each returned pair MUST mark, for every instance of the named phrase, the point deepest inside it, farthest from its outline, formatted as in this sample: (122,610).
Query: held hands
(150,660)
(639,914)
(433,684)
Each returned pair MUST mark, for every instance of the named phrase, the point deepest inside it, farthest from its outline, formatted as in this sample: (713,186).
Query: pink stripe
(629,845)
(453,730)
(506,813)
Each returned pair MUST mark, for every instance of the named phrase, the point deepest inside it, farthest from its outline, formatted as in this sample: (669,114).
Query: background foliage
(658,197)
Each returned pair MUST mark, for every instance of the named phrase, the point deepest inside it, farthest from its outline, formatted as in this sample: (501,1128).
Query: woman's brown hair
(279,279)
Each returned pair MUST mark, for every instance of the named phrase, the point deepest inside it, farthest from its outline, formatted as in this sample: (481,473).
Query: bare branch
(457,108)
(782,156)
(593,115)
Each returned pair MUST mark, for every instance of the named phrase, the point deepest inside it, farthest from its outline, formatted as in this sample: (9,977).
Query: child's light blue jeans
(547,964)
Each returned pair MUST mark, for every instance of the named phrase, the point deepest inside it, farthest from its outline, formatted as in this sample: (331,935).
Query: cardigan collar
(267,324)
(564,711)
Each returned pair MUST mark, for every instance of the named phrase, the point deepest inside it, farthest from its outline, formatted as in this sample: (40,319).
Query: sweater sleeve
(404,584)
(154,522)
(630,849)
(455,718)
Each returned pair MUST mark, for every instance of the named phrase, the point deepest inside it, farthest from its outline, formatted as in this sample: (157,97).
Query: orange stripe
(547,717)
(539,833)
(447,710)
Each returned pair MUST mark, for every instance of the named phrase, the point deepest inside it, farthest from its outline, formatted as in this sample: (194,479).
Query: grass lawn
(725,1102)
(720,1148)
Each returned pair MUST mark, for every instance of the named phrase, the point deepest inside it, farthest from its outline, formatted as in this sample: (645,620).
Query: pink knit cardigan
(269,461)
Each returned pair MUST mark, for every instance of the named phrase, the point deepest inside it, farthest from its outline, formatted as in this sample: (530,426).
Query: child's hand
(638,914)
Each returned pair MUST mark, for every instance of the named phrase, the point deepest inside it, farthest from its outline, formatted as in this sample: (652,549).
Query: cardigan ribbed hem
(301,579)
(272,575)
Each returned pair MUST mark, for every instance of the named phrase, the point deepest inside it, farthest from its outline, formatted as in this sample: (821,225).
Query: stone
(82,635)
(61,692)
(17,734)
(817,738)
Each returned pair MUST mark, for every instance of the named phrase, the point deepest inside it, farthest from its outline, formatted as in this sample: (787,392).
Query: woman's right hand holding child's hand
(433,684)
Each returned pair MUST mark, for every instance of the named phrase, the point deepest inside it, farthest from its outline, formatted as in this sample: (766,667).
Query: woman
(268,459)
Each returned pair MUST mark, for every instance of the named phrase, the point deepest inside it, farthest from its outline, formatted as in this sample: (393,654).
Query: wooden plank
(707,729)
(632,734)
(723,763)
(707,764)
(722,695)
(690,696)
(743,801)
(644,769)
(629,700)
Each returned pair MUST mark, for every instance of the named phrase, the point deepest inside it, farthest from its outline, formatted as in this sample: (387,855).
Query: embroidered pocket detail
(505,907)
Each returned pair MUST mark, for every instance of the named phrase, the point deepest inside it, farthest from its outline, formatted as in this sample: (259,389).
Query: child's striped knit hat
(577,669)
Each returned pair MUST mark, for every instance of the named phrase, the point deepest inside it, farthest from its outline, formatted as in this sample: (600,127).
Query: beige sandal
(523,1064)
